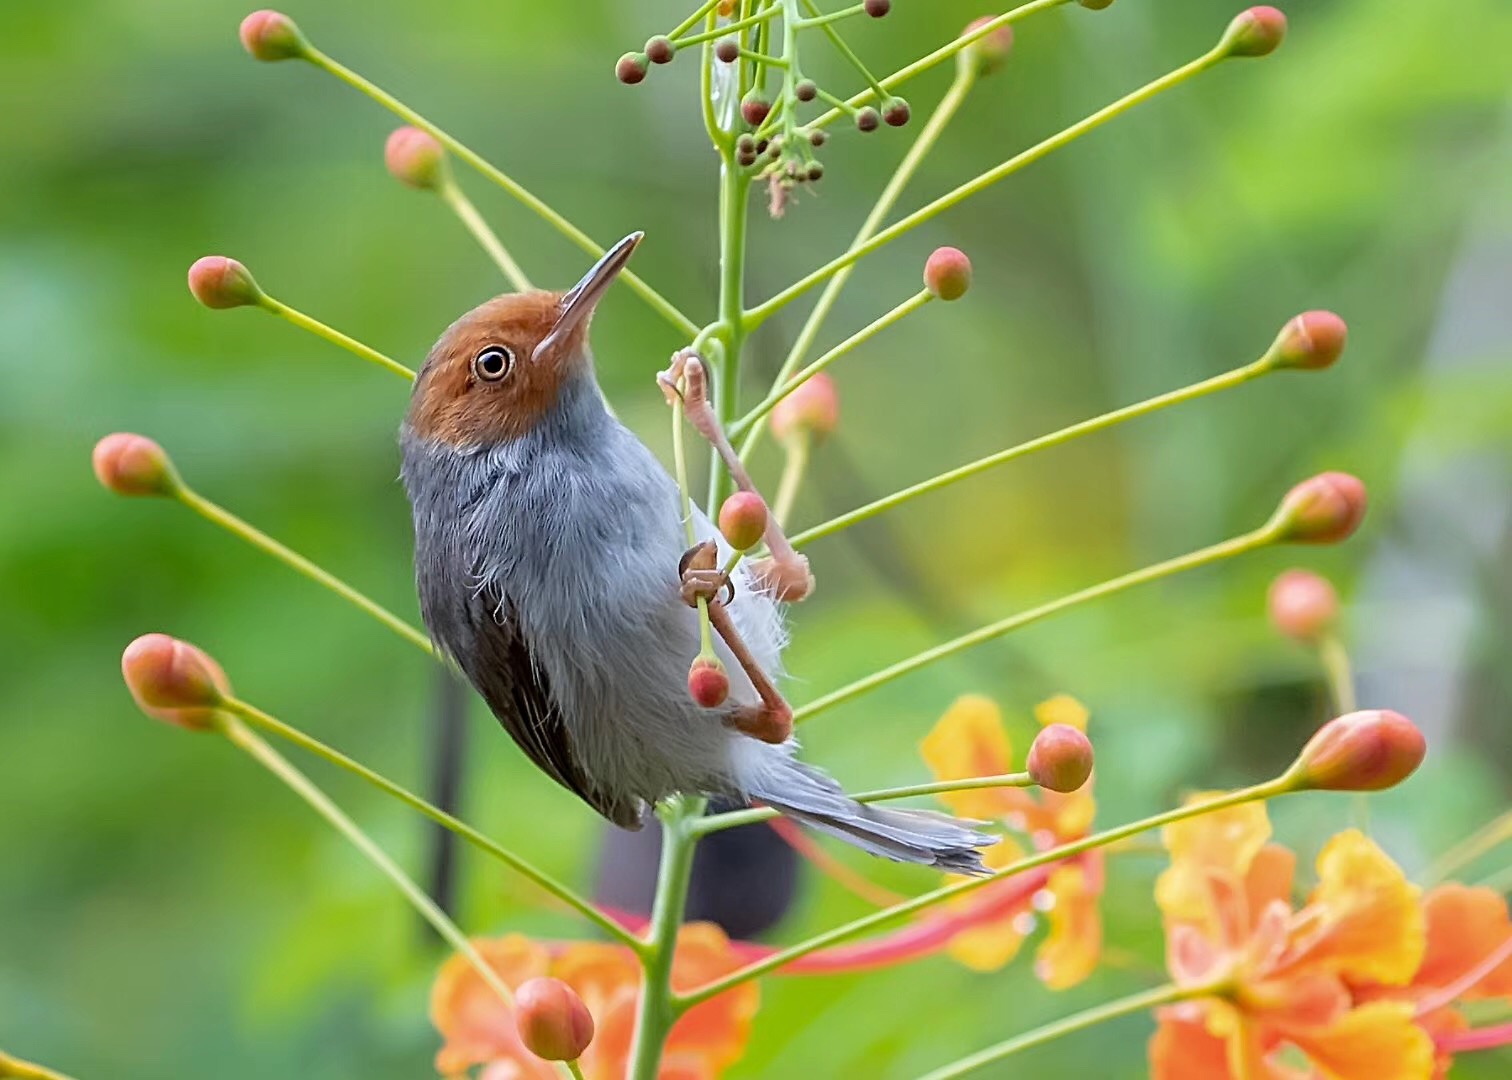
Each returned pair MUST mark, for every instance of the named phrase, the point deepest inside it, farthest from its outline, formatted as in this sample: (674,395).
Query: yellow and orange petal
(1071,950)
(607,978)
(1062,709)
(1214,847)
(712,1036)
(1183,1048)
(1465,925)
(967,742)
(1378,1041)
(990,944)
(477,1026)
(1365,921)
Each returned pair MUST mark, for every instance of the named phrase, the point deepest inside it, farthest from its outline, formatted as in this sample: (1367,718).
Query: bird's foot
(702,578)
(770,721)
(770,725)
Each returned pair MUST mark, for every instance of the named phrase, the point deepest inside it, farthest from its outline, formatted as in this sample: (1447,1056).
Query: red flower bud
(896,112)
(987,53)
(1311,341)
(947,273)
(552,1020)
(878,8)
(134,465)
(631,68)
(806,90)
(272,35)
(1363,751)
(660,50)
(813,407)
(1256,32)
(1060,758)
(415,158)
(708,685)
(219,282)
(754,108)
(867,119)
(743,520)
(1303,605)
(727,51)
(173,681)
(1326,509)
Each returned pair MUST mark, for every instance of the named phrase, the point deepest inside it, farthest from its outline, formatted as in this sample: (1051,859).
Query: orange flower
(479,1029)
(970,741)
(1281,976)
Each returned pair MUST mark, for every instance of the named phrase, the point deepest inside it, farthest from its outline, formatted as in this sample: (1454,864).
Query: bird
(549,543)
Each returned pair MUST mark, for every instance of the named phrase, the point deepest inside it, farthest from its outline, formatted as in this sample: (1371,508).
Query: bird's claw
(701,577)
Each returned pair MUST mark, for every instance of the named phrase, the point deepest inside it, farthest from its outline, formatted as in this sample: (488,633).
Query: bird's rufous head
(498,368)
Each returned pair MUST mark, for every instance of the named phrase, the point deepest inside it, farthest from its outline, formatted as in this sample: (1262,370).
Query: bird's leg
(702,579)
(784,571)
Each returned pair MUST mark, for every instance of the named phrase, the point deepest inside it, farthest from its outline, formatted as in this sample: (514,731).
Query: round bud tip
(727,51)
(415,158)
(272,35)
(1325,509)
(708,685)
(743,520)
(1302,605)
(806,90)
(172,681)
(660,50)
(1255,32)
(1095,5)
(1311,341)
(552,1020)
(896,112)
(134,465)
(631,68)
(219,282)
(947,273)
(878,8)
(813,407)
(755,108)
(989,52)
(1060,758)
(1370,750)
(867,119)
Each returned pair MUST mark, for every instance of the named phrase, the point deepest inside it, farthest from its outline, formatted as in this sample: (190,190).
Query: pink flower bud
(755,108)
(1060,758)
(134,465)
(1311,341)
(631,68)
(1256,32)
(219,282)
(743,520)
(415,158)
(552,1020)
(1303,605)
(813,407)
(877,8)
(1363,751)
(1326,509)
(272,35)
(895,112)
(660,50)
(947,273)
(173,681)
(986,54)
(708,685)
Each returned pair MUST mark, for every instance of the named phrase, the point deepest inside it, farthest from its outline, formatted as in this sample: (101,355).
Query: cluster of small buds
(552,1020)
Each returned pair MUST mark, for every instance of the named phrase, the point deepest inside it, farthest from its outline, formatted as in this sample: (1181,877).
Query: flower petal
(1071,951)
(1378,1041)
(1220,845)
(1183,1048)
(607,978)
(1062,709)
(1465,925)
(1368,922)
(970,741)
(711,1036)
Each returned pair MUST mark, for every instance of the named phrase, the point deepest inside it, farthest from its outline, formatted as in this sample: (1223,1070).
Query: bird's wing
(500,667)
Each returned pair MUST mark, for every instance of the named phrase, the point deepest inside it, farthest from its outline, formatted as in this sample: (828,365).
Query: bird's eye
(493,363)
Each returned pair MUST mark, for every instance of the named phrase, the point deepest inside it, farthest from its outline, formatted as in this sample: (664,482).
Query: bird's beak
(579,301)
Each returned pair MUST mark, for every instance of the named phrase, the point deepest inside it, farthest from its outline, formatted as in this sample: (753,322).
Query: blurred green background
(168,910)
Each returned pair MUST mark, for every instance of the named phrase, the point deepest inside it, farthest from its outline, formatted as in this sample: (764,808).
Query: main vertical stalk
(734,206)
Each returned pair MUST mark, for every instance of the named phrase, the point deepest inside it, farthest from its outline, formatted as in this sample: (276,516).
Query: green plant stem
(1340,675)
(255,716)
(217,515)
(860,337)
(680,465)
(1227,380)
(762,312)
(462,206)
(721,139)
(928,136)
(727,28)
(245,739)
(943,53)
(794,466)
(730,819)
(840,44)
(887,915)
(336,337)
(12,1068)
(833,16)
(734,206)
(1488,837)
(658,302)
(1169,994)
(1203,557)
(575,1069)
(704,13)
(657,1011)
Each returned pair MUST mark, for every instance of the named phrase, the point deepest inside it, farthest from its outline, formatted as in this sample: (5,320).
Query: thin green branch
(879,919)
(1484,840)
(1203,557)
(661,305)
(727,28)
(842,47)
(336,337)
(732,818)
(833,16)
(1227,380)
(860,337)
(218,515)
(704,12)
(253,715)
(13,1067)
(762,312)
(1340,675)
(721,138)
(794,466)
(462,206)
